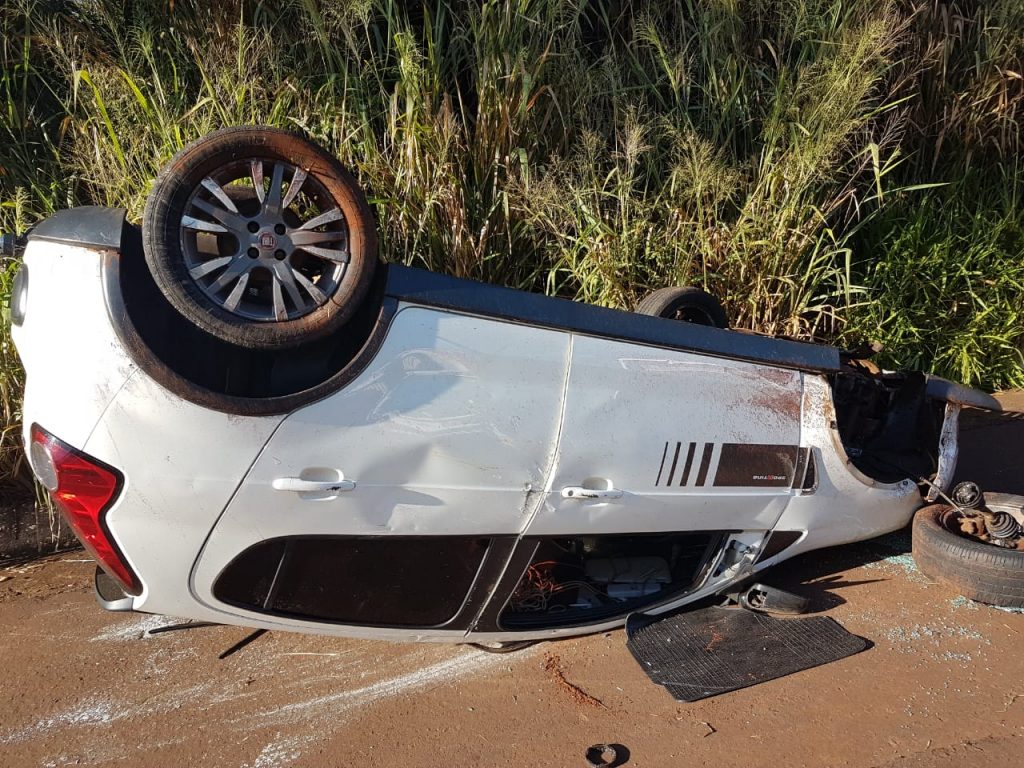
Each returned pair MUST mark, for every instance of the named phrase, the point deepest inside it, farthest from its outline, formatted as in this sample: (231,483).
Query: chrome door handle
(579,492)
(298,485)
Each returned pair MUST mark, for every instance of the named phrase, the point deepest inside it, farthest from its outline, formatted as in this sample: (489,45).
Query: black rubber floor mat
(709,651)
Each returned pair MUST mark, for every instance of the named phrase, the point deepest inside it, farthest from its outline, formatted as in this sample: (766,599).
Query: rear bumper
(109,594)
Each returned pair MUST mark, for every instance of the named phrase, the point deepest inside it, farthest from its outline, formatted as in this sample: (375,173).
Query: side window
(586,579)
(393,581)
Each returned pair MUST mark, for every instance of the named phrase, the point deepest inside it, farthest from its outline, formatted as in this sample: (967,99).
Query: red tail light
(83,489)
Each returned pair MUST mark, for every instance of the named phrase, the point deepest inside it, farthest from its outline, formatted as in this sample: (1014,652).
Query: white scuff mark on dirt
(93,712)
(85,713)
(163,658)
(334,705)
(170,699)
(131,630)
(312,671)
(279,752)
(352,679)
(307,653)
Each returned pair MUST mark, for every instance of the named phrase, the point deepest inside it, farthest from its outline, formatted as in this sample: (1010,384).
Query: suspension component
(967,495)
(1002,528)
(1003,525)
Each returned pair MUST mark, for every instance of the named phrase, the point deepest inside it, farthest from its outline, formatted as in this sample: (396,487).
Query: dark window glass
(390,581)
(246,581)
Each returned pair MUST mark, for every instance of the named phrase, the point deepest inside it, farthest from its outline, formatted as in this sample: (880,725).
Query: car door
(661,440)
(396,491)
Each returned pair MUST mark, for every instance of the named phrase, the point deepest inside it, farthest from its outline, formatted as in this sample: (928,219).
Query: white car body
(457,422)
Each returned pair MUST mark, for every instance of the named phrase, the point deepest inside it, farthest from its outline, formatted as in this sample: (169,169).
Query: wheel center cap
(267,241)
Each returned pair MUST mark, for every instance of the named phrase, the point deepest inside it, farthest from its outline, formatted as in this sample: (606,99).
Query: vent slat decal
(736,465)
(689,463)
(661,469)
(675,459)
(705,463)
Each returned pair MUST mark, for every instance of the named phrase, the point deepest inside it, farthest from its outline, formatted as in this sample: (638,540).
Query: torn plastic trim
(949,452)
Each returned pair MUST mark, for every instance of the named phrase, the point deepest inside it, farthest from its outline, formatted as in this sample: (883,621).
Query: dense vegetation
(833,170)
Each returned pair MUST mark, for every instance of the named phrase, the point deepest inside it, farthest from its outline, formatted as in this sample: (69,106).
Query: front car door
(664,458)
(663,440)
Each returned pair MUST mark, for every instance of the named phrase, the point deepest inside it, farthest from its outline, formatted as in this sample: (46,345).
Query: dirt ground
(941,685)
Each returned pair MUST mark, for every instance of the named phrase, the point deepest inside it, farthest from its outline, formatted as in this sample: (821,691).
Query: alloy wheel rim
(264,240)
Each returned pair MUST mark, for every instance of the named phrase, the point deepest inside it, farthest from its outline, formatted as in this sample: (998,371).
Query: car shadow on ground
(990,449)
(819,575)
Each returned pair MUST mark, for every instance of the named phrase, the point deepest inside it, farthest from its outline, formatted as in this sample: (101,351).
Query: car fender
(73,361)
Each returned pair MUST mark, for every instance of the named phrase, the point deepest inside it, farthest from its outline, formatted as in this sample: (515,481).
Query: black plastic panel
(383,581)
(710,651)
(419,286)
(91,226)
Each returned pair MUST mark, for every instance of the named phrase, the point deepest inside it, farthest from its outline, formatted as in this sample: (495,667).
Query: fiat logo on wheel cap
(267,240)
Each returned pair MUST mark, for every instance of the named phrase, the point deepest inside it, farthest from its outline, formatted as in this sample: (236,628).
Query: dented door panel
(449,431)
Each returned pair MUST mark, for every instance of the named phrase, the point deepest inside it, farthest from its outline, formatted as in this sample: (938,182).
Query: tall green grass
(832,170)
(947,295)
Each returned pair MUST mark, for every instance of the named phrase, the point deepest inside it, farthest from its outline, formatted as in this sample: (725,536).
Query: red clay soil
(83,687)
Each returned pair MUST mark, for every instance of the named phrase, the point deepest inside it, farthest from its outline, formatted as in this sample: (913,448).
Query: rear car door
(394,500)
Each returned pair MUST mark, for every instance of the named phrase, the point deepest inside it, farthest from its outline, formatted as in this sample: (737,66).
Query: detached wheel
(260,237)
(979,571)
(688,304)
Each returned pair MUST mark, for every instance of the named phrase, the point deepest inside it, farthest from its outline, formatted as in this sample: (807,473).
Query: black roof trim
(92,226)
(99,227)
(418,286)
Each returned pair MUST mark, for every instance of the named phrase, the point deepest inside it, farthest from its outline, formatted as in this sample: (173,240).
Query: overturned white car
(247,420)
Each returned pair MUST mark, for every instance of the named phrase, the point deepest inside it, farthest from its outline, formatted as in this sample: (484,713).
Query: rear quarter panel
(182,463)
(74,363)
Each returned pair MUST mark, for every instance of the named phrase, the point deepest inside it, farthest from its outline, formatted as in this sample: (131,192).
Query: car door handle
(579,492)
(298,485)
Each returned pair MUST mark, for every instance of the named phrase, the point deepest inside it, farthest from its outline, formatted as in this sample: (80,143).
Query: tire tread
(666,301)
(979,571)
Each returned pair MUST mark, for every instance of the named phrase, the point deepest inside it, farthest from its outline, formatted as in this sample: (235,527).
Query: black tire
(297,313)
(687,303)
(979,571)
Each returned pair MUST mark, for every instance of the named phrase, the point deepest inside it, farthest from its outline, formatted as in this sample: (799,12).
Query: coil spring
(1004,526)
